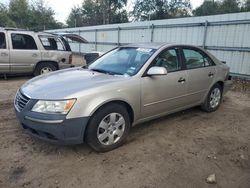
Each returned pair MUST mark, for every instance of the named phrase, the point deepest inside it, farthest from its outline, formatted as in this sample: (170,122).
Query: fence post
(95,39)
(205,34)
(79,43)
(118,36)
(152,33)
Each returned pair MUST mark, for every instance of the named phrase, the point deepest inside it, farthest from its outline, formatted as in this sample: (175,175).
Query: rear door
(200,71)
(55,49)
(24,53)
(4,53)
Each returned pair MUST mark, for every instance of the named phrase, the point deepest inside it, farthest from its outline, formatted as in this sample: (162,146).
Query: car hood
(69,83)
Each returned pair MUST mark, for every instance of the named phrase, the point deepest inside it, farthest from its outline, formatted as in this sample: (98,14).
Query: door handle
(210,74)
(182,80)
(34,55)
(4,54)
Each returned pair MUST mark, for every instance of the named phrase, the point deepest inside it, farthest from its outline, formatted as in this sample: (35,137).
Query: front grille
(21,100)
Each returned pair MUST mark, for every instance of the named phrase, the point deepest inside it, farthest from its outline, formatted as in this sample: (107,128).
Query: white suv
(34,52)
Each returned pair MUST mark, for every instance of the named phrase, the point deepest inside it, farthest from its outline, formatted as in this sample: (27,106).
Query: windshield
(122,61)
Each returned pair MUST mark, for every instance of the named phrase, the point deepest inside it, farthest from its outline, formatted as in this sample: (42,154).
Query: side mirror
(157,71)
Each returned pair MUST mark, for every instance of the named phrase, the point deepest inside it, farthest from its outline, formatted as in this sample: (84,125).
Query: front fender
(87,104)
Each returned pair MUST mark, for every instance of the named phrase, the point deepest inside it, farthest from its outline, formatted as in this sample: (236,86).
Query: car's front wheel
(213,100)
(108,128)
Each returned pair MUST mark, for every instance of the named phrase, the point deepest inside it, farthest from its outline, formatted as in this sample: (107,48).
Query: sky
(62,8)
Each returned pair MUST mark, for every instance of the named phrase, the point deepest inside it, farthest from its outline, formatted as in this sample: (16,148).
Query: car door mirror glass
(157,71)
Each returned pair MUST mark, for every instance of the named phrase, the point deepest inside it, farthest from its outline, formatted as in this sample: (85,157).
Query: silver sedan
(132,84)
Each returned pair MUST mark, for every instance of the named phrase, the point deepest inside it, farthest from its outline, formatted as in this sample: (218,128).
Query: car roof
(153,45)
(158,45)
(24,31)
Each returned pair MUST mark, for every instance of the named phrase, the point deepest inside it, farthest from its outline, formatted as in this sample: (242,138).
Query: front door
(163,94)
(4,54)
(24,53)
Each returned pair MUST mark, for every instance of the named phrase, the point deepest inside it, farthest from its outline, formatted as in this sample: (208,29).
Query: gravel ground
(180,150)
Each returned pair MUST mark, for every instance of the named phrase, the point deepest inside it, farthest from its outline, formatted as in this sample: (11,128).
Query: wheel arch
(51,62)
(120,102)
(221,83)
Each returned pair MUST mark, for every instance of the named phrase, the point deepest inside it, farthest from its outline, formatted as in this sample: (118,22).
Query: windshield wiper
(105,72)
(100,71)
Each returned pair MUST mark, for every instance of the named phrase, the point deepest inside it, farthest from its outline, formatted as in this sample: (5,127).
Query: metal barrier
(191,31)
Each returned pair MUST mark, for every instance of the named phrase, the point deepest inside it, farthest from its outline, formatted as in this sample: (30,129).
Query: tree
(150,10)
(229,6)
(112,10)
(75,18)
(35,16)
(5,21)
(91,12)
(246,6)
(207,8)
(217,7)
(160,9)
(19,12)
(42,17)
(97,12)
(179,8)
(88,14)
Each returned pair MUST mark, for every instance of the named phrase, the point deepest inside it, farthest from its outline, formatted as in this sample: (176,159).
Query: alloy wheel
(45,70)
(111,129)
(215,98)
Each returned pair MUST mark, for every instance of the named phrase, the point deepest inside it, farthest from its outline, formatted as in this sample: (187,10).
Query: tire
(111,124)
(44,66)
(214,94)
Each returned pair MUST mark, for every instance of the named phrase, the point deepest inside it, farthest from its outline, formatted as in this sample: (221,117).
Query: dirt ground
(180,150)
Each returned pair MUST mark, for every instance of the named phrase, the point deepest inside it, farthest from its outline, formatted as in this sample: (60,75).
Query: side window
(23,42)
(2,41)
(195,59)
(59,45)
(169,60)
(51,43)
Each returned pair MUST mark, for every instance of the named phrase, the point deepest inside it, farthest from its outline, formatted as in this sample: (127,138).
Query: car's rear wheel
(44,68)
(108,128)
(213,100)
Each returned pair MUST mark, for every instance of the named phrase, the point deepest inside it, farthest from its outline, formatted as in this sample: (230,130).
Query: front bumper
(52,128)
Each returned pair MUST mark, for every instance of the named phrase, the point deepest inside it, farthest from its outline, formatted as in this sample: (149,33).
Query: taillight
(70,59)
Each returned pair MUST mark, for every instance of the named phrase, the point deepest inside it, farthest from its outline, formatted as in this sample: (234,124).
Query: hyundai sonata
(132,84)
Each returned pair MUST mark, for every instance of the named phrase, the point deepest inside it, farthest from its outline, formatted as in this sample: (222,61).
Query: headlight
(53,107)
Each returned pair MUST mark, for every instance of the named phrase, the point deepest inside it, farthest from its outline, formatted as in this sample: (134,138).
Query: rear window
(23,42)
(2,41)
(52,43)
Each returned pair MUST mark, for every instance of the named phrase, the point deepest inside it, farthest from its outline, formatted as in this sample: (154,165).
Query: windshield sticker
(126,75)
(131,70)
(144,50)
